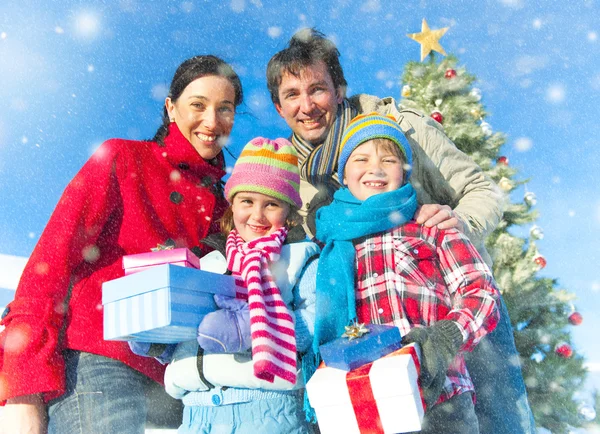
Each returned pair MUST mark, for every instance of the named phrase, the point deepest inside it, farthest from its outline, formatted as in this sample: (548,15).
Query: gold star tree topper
(429,39)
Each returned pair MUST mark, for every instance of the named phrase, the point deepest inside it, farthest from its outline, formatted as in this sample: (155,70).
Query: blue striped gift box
(163,304)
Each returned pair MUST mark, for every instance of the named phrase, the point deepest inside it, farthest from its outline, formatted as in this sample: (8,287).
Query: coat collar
(180,154)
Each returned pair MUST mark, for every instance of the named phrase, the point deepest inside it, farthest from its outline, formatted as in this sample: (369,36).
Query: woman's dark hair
(190,70)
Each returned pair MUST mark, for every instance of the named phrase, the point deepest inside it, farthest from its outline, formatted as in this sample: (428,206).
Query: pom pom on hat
(372,126)
(269,167)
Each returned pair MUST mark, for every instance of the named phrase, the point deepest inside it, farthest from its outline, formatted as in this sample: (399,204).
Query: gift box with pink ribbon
(142,261)
(382,397)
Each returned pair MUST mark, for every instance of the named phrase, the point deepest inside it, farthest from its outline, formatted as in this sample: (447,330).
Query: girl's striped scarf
(318,164)
(271,322)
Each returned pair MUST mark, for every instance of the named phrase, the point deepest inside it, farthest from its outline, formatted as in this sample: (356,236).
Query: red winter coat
(127,198)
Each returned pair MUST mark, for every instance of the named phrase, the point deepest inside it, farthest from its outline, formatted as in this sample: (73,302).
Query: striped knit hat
(269,167)
(372,126)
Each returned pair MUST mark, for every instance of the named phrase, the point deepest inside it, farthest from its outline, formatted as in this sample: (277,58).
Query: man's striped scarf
(271,322)
(318,163)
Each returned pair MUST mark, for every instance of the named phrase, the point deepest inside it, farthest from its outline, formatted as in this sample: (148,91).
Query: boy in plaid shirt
(379,266)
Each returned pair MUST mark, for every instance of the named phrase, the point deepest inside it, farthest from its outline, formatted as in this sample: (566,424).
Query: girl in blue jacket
(242,375)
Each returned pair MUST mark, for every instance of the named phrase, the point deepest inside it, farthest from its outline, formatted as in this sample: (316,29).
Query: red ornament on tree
(540,260)
(437,116)
(450,73)
(564,350)
(575,318)
(502,160)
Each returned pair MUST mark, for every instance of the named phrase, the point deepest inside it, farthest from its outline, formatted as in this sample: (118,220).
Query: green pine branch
(538,307)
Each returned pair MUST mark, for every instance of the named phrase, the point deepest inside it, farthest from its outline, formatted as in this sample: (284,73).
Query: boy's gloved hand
(226,330)
(161,352)
(439,345)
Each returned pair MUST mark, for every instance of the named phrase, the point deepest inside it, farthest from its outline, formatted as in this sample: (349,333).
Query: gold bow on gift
(355,331)
(160,247)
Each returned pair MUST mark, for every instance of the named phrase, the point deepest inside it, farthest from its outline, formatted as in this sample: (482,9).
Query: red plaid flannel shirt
(415,276)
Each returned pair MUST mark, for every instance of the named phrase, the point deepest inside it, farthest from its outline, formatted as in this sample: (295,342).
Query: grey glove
(439,346)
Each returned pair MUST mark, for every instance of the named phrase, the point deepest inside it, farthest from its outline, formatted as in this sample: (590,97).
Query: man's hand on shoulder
(442,216)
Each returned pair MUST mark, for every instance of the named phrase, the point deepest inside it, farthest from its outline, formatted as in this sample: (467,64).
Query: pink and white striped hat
(269,167)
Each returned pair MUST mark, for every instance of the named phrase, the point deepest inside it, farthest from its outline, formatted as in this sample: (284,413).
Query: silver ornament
(586,412)
(536,232)
(486,128)
(476,93)
(530,198)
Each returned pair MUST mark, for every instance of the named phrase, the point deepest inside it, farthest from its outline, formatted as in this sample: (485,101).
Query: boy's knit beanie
(269,167)
(372,126)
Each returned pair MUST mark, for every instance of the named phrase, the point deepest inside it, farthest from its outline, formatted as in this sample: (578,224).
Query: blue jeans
(103,396)
(454,416)
(494,366)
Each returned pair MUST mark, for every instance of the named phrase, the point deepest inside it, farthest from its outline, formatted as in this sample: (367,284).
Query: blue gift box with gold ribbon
(359,345)
(163,304)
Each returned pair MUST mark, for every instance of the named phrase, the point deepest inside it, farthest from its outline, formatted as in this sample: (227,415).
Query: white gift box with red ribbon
(382,397)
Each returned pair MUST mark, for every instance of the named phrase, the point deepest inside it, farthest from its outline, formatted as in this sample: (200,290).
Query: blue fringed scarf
(347,219)
(344,220)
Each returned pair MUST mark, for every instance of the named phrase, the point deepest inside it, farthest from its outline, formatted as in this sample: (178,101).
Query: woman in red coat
(56,370)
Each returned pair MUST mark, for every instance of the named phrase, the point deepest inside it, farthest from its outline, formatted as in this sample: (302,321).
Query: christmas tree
(541,313)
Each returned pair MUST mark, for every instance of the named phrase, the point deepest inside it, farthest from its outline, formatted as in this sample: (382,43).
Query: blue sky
(75,73)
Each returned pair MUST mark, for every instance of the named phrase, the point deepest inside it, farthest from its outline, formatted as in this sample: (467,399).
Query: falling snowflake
(41,268)
(514,4)
(187,7)
(525,65)
(556,93)
(175,176)
(17,339)
(396,217)
(523,144)
(87,25)
(90,253)
(159,92)
(274,32)
(371,6)
(259,100)
(238,6)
